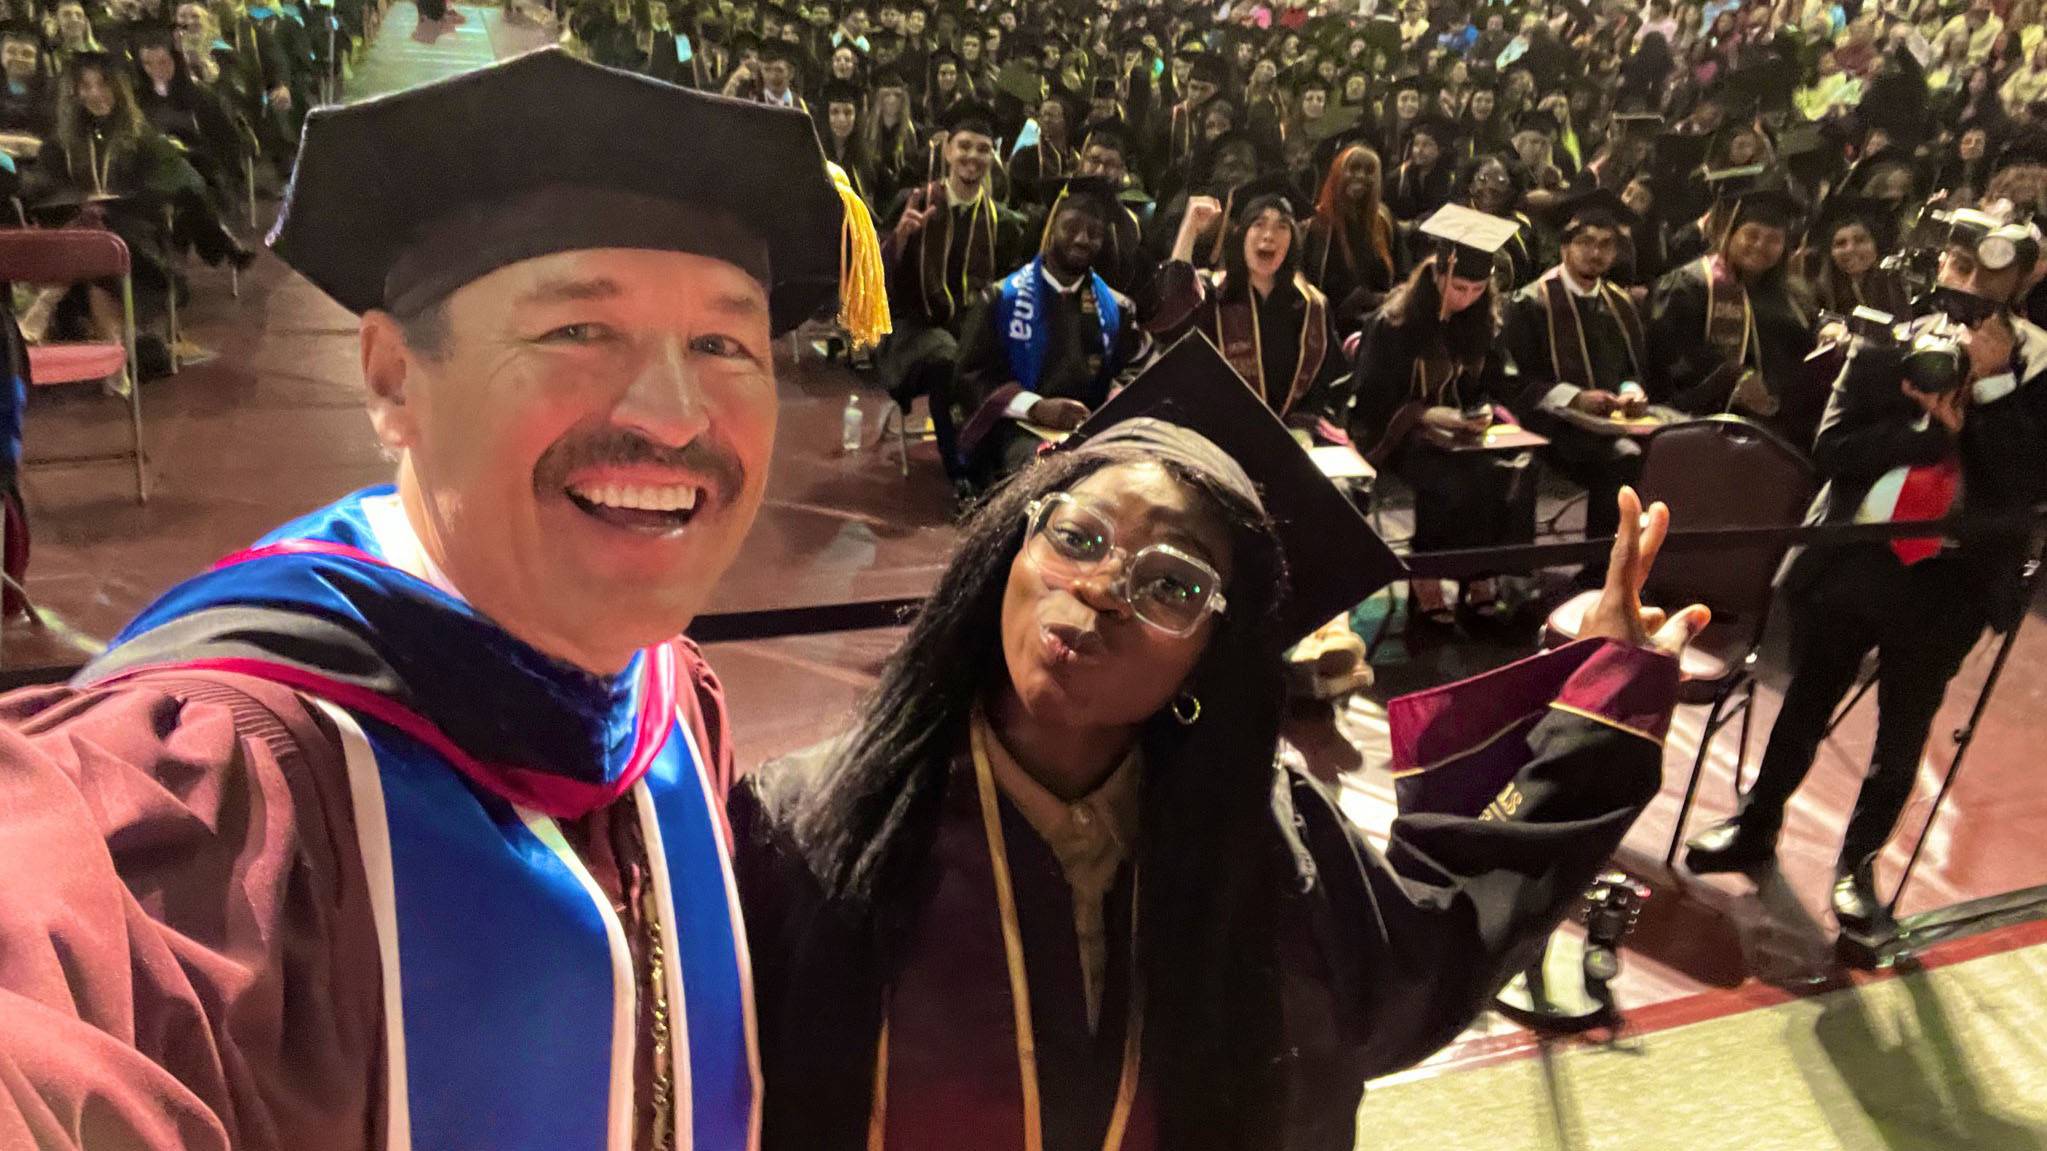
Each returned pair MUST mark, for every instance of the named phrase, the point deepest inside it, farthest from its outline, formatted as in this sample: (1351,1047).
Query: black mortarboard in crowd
(1438,127)
(889,76)
(1089,194)
(1210,69)
(1769,205)
(1840,211)
(1111,133)
(1272,190)
(1468,238)
(1333,557)
(1537,120)
(843,92)
(1590,207)
(968,116)
(545,153)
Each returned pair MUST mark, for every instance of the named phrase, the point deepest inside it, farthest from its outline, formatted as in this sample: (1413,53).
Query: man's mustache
(705,457)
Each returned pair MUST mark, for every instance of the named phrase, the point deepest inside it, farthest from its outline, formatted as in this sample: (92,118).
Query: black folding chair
(1719,472)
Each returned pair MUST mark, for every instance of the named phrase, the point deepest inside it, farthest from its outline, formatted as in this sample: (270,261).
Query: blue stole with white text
(1024,325)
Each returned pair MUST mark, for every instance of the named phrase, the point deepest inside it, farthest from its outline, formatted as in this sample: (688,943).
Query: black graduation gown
(1376,962)
(1355,285)
(1462,499)
(32,111)
(1414,194)
(1187,301)
(1690,374)
(1072,370)
(1035,173)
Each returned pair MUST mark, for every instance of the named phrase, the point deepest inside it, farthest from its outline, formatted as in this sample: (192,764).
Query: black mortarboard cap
(1104,89)
(1113,133)
(889,76)
(942,55)
(1091,193)
(1440,128)
(1538,120)
(545,153)
(1728,183)
(782,51)
(968,116)
(1840,210)
(1274,189)
(1678,153)
(1210,69)
(1470,237)
(1334,559)
(1591,207)
(843,92)
(1769,205)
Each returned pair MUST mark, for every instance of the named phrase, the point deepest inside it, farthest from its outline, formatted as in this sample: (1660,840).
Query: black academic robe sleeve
(1524,334)
(1686,372)
(1417,940)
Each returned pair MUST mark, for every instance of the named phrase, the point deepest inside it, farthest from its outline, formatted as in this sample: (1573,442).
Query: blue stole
(1024,326)
(517,1008)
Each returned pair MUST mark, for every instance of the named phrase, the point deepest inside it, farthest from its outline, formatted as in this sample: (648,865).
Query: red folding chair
(71,256)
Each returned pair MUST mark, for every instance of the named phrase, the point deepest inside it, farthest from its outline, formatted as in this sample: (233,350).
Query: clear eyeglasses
(1165,587)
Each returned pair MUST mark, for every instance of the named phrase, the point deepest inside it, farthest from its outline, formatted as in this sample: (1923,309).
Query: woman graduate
(1052,890)
(1429,374)
(1730,332)
(1272,325)
(1353,251)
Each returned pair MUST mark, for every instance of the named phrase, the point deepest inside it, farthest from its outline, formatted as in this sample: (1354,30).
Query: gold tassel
(863,282)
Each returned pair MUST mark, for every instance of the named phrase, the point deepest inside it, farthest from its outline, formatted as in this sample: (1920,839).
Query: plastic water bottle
(849,426)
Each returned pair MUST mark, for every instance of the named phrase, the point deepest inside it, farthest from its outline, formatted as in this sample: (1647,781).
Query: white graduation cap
(1471,237)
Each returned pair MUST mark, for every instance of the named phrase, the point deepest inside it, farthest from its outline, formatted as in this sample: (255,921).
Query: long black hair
(1206,923)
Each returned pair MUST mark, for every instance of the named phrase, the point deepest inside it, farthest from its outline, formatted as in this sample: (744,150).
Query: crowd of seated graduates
(159,120)
(1646,161)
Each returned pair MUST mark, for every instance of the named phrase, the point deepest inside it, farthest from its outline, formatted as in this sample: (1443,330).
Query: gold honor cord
(1020,990)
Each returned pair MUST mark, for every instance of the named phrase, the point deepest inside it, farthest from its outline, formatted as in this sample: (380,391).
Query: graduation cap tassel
(863,286)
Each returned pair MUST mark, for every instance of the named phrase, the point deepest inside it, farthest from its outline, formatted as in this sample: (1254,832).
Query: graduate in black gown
(1730,330)
(1259,308)
(946,240)
(1354,250)
(1043,344)
(1053,890)
(1105,154)
(1579,347)
(1429,372)
(1423,182)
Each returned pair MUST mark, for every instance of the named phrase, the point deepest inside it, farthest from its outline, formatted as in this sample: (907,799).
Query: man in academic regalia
(1578,344)
(946,241)
(1043,345)
(403,827)
(1890,451)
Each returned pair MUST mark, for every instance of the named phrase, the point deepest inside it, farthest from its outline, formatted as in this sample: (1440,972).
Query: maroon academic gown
(187,956)
(1379,960)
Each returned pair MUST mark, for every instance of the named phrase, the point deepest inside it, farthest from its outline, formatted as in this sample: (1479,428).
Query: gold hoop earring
(1186,708)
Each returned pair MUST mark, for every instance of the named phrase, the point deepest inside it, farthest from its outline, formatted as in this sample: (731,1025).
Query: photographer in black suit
(1890,451)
